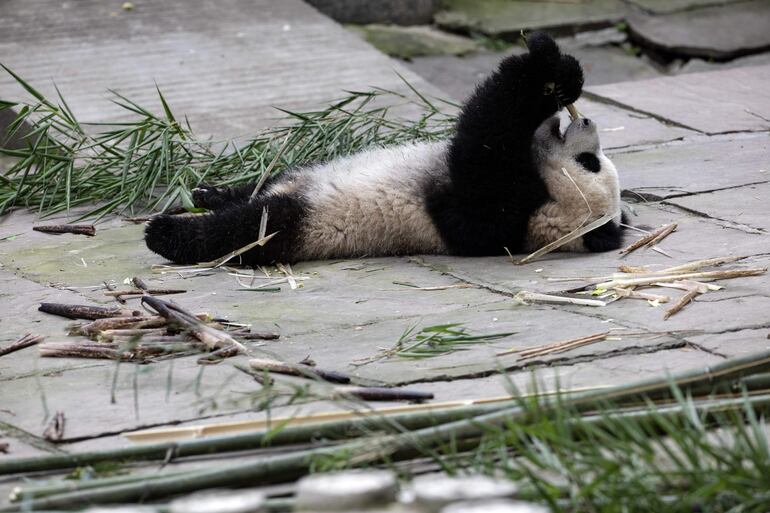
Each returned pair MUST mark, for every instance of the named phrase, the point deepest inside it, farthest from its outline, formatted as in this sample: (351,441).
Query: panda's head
(577,174)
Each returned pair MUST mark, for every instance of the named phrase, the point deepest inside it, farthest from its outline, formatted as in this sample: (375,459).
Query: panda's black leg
(605,238)
(212,197)
(202,238)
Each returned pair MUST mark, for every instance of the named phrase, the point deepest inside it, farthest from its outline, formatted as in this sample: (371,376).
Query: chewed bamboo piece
(651,239)
(633,294)
(24,342)
(78,229)
(556,347)
(700,276)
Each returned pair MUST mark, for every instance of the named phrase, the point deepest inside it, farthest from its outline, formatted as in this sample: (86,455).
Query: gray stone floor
(691,149)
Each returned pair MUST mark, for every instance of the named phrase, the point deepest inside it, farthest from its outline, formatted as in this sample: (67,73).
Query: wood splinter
(79,229)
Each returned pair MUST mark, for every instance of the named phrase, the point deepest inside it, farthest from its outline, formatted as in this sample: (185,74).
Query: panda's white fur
(371,203)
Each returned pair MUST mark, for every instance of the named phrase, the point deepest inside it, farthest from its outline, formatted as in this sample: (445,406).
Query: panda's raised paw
(173,237)
(562,73)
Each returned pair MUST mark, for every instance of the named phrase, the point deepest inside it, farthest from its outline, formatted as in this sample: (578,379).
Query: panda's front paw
(561,74)
(173,237)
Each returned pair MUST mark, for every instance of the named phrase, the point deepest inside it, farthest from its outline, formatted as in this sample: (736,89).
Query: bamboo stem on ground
(86,311)
(24,342)
(304,371)
(701,276)
(650,239)
(78,229)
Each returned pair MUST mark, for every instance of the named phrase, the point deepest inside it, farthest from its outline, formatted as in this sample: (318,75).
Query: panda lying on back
(498,183)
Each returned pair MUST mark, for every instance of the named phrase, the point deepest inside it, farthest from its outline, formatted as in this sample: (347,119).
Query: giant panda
(508,179)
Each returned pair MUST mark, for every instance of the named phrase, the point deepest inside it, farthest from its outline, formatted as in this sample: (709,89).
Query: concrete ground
(691,149)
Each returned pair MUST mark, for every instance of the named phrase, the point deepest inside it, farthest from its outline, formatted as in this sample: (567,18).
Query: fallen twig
(27,340)
(85,311)
(259,336)
(79,229)
(683,301)
(262,364)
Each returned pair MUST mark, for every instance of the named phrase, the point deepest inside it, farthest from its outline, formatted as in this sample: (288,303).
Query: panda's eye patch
(589,161)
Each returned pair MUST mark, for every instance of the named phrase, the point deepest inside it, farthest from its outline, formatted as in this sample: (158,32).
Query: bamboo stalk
(381,394)
(141,292)
(700,264)
(94,328)
(78,229)
(290,466)
(535,297)
(683,301)
(83,350)
(633,294)
(86,311)
(701,276)
(24,342)
(650,239)
(557,346)
(305,371)
(731,374)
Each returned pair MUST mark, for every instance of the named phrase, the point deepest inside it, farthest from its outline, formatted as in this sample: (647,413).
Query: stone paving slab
(717,32)
(669,6)
(736,343)
(746,206)
(504,19)
(224,64)
(694,166)
(715,102)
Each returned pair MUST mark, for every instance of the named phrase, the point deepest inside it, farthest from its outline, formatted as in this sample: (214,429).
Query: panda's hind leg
(212,197)
(191,239)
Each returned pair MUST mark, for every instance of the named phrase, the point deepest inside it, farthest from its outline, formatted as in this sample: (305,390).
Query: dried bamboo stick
(555,345)
(83,350)
(700,264)
(213,338)
(24,342)
(683,301)
(141,292)
(79,229)
(633,294)
(93,328)
(701,276)
(86,311)
(535,297)
(564,346)
(650,239)
(263,364)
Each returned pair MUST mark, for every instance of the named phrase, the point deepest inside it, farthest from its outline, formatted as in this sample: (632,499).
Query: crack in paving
(725,223)
(699,347)
(30,439)
(534,364)
(639,192)
(608,101)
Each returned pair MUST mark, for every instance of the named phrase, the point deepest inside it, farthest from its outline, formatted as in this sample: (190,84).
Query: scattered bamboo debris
(651,239)
(301,370)
(86,311)
(110,286)
(710,392)
(24,342)
(257,335)
(79,229)
(654,278)
(54,431)
(535,297)
(556,347)
(212,337)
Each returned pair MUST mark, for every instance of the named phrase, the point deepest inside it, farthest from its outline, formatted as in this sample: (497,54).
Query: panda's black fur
(475,195)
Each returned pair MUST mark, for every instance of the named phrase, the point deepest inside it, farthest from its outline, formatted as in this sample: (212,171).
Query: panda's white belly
(372,203)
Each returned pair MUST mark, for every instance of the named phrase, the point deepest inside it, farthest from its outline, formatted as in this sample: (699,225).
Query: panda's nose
(586,122)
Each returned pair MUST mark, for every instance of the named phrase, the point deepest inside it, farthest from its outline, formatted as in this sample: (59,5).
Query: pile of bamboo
(738,385)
